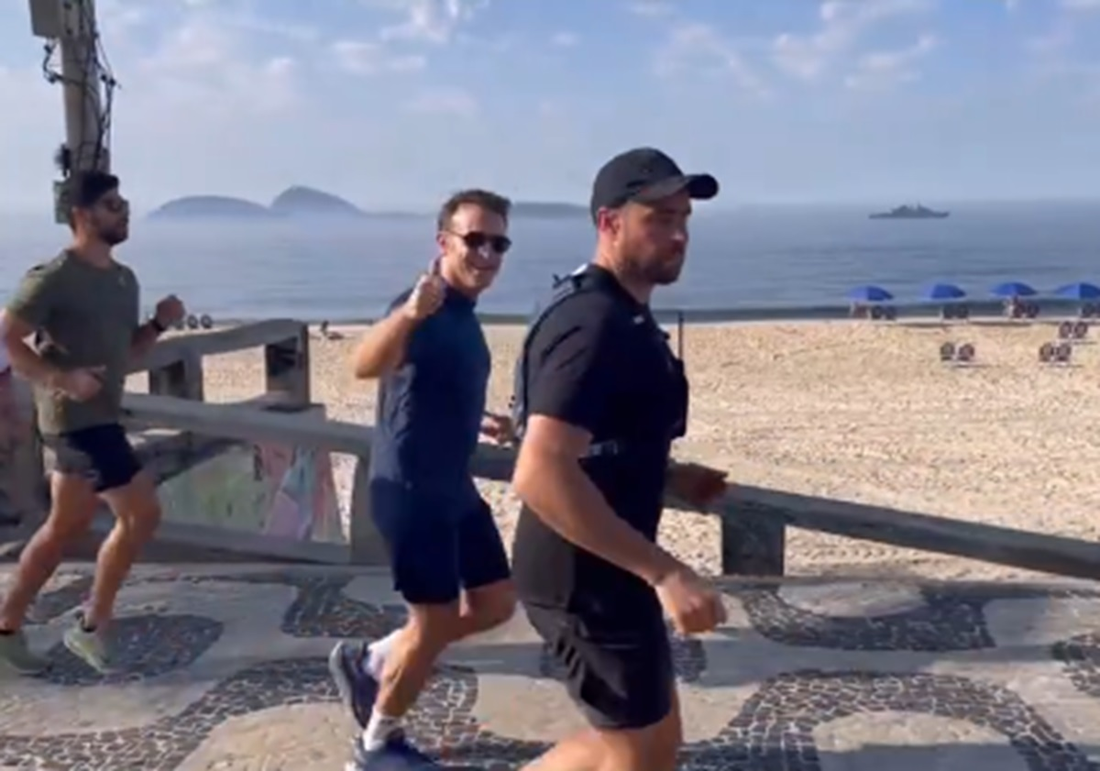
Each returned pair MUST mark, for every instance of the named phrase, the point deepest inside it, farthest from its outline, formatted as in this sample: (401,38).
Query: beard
(114,236)
(661,272)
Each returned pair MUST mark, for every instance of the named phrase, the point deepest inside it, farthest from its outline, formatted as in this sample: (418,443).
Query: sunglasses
(115,205)
(477,240)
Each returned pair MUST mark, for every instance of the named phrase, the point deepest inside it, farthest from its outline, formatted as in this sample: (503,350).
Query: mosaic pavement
(225,669)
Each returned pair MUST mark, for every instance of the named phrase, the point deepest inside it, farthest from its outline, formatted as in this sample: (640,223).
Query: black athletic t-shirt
(600,362)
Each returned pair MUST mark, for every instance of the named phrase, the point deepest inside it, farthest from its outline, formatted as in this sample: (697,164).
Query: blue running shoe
(347,664)
(396,755)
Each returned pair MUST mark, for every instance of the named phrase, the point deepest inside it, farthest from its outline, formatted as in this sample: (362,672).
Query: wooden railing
(753,519)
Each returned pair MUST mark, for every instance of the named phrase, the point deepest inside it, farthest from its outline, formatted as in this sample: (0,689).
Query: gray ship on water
(914,212)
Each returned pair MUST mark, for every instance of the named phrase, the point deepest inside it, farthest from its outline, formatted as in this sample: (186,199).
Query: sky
(395,103)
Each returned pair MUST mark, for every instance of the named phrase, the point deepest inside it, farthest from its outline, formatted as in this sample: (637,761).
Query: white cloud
(564,39)
(842,24)
(369,58)
(449,101)
(697,47)
(430,21)
(1081,5)
(883,69)
(651,8)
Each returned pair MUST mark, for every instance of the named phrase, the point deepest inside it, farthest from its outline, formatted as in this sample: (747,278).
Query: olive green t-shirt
(84,316)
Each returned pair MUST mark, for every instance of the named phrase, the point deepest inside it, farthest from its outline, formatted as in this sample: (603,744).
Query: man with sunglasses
(81,308)
(446,554)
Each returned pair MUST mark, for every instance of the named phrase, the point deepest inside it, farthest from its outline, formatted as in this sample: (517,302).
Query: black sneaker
(347,664)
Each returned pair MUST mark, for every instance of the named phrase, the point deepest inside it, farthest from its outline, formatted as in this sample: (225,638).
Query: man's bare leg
(430,630)
(71,511)
(653,748)
(137,516)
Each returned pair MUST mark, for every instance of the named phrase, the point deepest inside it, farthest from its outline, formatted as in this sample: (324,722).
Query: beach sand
(854,411)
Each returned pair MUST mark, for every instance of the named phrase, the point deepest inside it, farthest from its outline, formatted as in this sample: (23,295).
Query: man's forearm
(145,337)
(26,362)
(561,494)
(383,347)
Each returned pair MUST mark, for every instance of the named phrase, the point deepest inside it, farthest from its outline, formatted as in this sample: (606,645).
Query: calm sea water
(752,257)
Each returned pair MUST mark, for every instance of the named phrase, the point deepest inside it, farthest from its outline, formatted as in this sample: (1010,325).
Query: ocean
(760,257)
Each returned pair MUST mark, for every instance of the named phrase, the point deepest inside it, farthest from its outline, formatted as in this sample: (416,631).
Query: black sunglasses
(475,239)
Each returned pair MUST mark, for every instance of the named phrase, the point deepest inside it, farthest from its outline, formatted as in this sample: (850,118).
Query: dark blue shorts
(101,454)
(438,545)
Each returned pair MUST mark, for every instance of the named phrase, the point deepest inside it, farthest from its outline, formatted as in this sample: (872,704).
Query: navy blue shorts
(100,454)
(437,545)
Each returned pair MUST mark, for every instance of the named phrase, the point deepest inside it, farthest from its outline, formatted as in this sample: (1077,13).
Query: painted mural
(18,449)
(275,490)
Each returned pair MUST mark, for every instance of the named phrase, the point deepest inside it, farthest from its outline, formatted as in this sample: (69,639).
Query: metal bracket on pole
(72,24)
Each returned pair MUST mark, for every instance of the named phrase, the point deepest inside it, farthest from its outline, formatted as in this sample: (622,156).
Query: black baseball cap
(645,175)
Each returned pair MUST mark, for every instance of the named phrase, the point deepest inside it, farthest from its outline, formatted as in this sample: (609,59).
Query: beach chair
(1087,311)
(877,313)
(1046,353)
(192,321)
(1063,352)
(947,352)
(205,321)
(890,313)
(1065,330)
(1080,330)
(965,353)
(1031,310)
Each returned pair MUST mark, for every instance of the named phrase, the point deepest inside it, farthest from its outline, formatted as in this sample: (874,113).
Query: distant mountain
(300,201)
(211,207)
(548,210)
(295,201)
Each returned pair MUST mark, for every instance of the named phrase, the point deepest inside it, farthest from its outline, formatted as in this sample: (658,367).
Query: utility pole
(71,26)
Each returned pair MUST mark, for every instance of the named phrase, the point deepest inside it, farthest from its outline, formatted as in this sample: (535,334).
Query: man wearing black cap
(601,399)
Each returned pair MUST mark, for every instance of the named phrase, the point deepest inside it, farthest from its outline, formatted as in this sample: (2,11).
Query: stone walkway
(225,670)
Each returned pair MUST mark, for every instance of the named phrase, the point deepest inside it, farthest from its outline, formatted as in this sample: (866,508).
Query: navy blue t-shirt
(430,409)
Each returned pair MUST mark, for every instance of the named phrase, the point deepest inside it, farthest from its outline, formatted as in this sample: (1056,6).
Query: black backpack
(563,288)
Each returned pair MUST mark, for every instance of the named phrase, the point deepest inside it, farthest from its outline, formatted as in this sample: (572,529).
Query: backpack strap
(563,288)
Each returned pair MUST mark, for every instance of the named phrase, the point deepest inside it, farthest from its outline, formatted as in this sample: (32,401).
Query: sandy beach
(848,410)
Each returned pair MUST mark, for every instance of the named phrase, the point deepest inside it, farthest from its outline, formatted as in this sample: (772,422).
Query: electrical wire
(96,74)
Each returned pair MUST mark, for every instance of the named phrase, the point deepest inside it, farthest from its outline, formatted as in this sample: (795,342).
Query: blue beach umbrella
(1079,291)
(869,294)
(944,292)
(1013,289)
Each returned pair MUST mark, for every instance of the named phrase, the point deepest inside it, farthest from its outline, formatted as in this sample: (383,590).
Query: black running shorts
(619,672)
(101,454)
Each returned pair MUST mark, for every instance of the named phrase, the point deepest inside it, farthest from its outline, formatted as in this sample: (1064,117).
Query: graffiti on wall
(18,449)
(276,490)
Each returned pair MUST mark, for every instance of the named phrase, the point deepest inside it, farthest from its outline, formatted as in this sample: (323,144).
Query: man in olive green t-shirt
(81,309)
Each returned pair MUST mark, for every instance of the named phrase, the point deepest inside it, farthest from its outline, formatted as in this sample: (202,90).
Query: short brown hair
(490,201)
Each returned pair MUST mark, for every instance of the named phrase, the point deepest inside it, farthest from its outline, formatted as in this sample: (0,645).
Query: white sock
(378,651)
(378,730)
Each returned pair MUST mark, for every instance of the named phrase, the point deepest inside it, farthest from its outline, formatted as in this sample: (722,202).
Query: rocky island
(299,201)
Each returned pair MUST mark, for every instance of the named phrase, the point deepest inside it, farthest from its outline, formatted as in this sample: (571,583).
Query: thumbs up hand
(428,294)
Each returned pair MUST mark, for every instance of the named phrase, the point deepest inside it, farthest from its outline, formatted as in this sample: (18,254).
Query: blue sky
(396,102)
